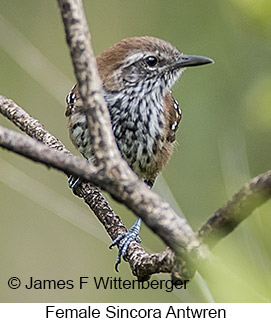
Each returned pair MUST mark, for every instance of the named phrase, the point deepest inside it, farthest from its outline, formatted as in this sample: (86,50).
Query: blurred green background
(224,140)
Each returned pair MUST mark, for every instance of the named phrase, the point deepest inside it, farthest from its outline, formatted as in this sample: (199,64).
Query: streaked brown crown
(129,57)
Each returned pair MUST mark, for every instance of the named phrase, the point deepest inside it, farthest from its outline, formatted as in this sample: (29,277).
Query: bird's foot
(74,181)
(125,239)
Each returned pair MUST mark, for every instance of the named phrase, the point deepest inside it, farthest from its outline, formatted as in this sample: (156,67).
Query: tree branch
(220,224)
(232,213)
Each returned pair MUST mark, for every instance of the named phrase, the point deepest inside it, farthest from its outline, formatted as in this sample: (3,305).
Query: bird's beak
(190,60)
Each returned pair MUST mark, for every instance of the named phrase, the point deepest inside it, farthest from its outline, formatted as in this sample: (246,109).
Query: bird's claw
(124,240)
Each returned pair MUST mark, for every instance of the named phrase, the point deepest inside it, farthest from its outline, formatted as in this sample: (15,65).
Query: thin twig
(238,208)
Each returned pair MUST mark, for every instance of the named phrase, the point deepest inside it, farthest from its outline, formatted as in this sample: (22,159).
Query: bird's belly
(145,154)
(140,150)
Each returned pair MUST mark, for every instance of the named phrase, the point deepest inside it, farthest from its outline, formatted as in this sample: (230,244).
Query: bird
(137,74)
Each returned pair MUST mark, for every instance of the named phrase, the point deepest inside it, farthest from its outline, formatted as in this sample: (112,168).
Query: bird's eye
(151,61)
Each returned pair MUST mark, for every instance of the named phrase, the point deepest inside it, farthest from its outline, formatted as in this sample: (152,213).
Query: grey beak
(190,60)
